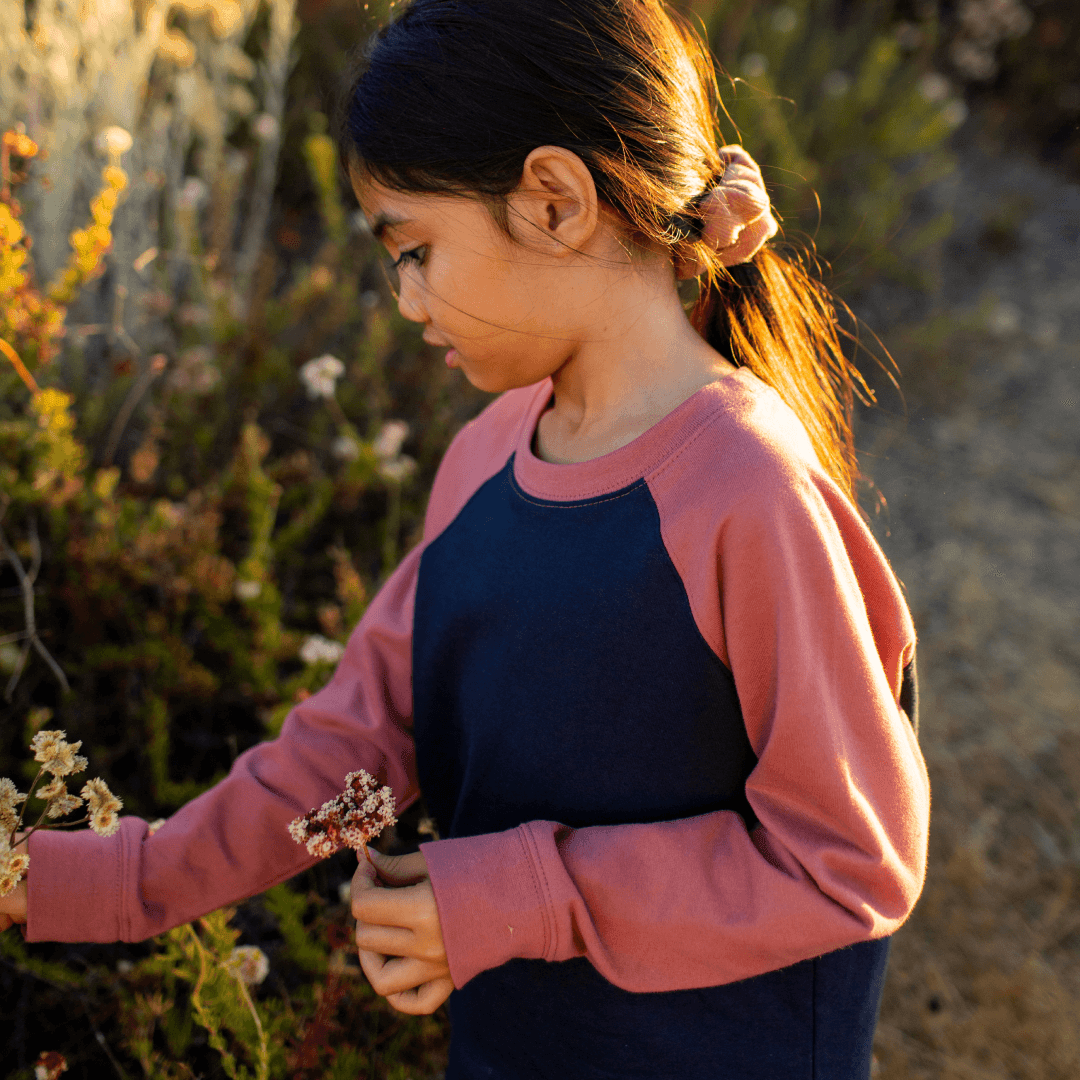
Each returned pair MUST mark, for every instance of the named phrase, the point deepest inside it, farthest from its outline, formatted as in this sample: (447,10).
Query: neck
(627,372)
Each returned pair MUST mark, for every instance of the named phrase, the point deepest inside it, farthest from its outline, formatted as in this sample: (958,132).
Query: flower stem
(29,796)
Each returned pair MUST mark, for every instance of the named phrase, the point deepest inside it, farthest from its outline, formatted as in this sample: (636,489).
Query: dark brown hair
(451,96)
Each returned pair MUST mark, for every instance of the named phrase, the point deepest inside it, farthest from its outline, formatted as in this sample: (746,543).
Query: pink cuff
(65,865)
(493,905)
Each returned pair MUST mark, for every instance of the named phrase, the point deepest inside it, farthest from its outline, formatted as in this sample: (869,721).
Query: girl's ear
(555,207)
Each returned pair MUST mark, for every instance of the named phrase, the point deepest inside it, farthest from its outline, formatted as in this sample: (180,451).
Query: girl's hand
(398,932)
(13,906)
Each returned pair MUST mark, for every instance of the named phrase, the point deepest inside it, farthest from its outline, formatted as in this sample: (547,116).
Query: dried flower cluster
(351,819)
(50,1065)
(58,758)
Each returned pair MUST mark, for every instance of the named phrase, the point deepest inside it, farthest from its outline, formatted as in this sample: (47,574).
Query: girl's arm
(811,622)
(231,842)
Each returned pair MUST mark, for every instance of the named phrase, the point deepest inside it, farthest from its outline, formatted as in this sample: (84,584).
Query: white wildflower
(389,441)
(56,754)
(397,470)
(249,964)
(247,590)
(321,375)
(104,805)
(265,127)
(345,448)
(318,649)
(13,864)
(933,87)
(113,141)
(60,802)
(10,797)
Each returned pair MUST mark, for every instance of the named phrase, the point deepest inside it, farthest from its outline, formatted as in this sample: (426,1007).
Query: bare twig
(26,583)
(275,72)
(139,387)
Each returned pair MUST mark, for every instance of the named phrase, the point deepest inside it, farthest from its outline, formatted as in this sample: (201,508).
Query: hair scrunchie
(733,216)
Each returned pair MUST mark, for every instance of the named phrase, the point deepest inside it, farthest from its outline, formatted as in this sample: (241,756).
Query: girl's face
(502,310)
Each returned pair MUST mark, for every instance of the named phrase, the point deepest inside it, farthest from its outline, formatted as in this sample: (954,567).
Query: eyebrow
(385,221)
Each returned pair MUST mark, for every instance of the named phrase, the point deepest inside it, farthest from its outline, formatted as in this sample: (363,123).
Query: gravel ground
(983,527)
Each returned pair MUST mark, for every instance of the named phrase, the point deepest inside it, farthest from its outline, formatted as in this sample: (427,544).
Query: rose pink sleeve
(231,842)
(791,591)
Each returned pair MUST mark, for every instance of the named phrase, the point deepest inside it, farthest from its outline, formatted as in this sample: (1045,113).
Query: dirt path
(984,530)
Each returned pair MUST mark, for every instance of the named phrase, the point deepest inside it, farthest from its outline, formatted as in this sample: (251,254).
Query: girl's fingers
(424,999)
(388,940)
(393,975)
(404,906)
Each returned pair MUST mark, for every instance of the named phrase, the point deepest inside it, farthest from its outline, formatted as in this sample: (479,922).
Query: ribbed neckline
(638,458)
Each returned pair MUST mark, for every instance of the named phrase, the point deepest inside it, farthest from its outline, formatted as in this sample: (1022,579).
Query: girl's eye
(409,256)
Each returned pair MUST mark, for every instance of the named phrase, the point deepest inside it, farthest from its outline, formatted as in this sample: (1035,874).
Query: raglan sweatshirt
(661,705)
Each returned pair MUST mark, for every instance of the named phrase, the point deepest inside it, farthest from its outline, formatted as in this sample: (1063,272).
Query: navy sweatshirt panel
(558,673)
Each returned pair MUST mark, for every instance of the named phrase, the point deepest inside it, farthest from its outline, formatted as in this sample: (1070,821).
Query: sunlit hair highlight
(451,96)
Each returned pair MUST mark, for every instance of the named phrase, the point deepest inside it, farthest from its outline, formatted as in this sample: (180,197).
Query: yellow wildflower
(115,177)
(20,143)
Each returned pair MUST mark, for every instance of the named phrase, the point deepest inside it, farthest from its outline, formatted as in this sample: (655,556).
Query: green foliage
(288,908)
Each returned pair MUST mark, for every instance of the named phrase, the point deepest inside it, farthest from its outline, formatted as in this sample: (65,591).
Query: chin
(491,383)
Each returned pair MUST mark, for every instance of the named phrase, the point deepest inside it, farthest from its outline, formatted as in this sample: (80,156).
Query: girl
(649,668)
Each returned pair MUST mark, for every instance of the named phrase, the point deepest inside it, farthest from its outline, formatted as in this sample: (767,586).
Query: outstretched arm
(232,842)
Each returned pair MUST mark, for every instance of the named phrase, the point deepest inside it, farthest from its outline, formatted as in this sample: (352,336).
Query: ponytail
(771,316)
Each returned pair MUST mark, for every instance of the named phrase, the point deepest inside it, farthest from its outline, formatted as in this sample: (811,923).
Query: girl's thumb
(396,869)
